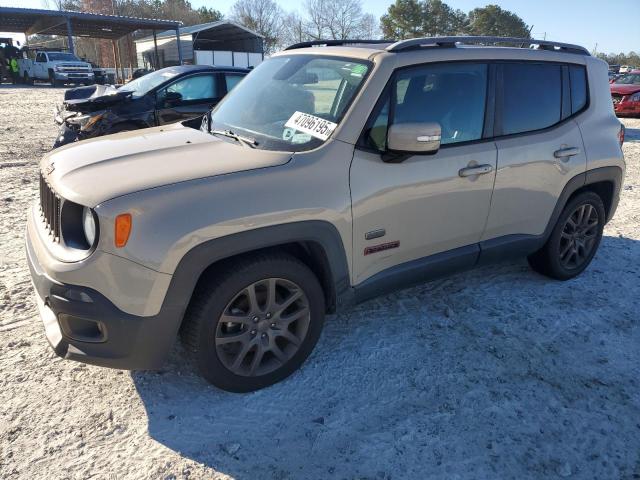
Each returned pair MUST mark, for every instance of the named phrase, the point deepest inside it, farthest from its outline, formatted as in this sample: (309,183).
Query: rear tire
(574,239)
(255,322)
(55,83)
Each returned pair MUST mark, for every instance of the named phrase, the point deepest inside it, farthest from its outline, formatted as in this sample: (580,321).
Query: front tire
(574,239)
(254,323)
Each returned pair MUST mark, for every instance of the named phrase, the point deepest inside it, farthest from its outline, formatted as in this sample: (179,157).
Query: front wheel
(574,239)
(255,323)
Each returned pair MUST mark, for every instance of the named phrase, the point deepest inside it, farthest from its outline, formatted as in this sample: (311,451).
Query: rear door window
(531,96)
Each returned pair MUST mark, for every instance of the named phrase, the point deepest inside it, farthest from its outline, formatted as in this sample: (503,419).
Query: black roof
(31,21)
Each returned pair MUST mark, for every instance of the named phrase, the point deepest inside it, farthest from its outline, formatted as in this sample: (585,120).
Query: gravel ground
(495,373)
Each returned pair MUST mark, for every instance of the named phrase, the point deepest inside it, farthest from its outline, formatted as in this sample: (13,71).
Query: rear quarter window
(578,79)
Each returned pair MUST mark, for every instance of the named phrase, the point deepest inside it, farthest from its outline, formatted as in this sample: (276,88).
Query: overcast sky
(612,25)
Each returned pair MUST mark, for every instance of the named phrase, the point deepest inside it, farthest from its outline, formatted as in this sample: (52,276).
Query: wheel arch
(318,244)
(605,181)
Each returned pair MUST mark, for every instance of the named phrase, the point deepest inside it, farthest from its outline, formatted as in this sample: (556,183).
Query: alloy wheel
(262,327)
(579,236)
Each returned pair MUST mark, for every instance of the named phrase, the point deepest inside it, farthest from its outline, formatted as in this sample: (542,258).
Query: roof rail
(415,43)
(333,43)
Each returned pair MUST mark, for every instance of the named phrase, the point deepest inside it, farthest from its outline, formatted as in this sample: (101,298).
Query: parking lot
(494,373)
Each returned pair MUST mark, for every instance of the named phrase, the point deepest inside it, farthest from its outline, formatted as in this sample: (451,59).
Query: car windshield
(631,79)
(142,85)
(291,103)
(64,57)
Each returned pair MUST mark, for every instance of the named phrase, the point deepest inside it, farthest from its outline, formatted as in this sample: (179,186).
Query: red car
(625,93)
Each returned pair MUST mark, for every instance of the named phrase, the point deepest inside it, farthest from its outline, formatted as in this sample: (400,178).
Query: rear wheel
(255,323)
(574,240)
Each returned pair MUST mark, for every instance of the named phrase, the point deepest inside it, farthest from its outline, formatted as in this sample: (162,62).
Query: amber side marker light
(123,229)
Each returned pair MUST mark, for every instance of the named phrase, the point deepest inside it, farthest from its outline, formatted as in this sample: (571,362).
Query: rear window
(578,76)
(532,96)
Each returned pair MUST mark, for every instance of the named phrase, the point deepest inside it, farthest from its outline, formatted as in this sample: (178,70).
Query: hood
(92,97)
(93,171)
(622,89)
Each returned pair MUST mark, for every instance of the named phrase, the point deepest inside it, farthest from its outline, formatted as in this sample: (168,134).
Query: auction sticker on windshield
(314,126)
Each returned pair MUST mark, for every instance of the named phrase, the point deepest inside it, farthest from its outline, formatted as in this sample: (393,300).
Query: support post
(155,50)
(115,60)
(179,45)
(70,36)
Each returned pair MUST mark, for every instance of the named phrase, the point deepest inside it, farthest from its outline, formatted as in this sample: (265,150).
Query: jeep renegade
(331,174)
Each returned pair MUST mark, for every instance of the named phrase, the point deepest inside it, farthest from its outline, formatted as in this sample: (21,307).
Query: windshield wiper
(248,141)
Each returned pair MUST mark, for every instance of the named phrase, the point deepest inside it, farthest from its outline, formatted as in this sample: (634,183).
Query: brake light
(621,135)
(123,229)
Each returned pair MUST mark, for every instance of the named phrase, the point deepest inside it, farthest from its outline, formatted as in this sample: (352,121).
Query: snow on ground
(495,373)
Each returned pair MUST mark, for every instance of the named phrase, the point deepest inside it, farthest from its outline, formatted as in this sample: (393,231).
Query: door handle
(477,170)
(566,152)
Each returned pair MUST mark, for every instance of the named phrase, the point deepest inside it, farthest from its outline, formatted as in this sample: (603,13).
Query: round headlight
(89,225)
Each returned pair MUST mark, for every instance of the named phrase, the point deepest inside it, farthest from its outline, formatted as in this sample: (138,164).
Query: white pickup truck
(57,68)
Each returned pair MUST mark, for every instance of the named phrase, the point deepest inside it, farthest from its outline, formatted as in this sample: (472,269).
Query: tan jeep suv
(332,173)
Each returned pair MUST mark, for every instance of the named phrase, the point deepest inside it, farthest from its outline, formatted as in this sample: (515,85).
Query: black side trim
(509,247)
(607,174)
(416,271)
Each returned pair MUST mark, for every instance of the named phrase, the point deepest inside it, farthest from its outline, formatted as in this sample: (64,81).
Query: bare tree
(294,30)
(339,20)
(369,26)
(316,23)
(262,16)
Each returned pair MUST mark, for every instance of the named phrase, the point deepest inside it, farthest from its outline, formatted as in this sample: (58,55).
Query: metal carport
(32,21)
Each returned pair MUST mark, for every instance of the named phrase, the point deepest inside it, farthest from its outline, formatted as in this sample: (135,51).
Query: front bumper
(74,77)
(82,324)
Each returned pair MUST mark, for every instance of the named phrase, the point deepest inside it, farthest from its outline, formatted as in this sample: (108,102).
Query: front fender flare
(201,257)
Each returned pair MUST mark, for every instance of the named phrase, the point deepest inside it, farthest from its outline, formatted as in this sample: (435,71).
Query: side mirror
(172,98)
(407,139)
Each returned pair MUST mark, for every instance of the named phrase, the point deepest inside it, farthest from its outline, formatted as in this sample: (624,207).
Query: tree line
(631,58)
(337,20)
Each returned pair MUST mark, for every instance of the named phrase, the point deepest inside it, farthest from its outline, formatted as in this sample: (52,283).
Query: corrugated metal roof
(54,22)
(201,28)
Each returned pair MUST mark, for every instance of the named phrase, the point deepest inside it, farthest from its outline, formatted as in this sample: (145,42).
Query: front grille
(50,209)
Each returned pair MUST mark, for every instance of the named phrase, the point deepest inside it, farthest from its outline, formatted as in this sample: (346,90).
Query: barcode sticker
(314,126)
